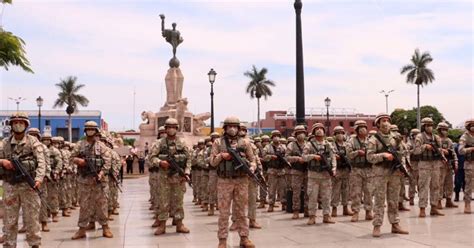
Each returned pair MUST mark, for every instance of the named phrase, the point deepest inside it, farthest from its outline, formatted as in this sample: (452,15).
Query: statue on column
(173,37)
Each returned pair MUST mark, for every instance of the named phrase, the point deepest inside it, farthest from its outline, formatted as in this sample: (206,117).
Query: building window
(341,123)
(351,123)
(47,122)
(283,124)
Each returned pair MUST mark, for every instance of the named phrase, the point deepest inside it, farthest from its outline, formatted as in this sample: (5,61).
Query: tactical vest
(264,163)
(93,157)
(26,158)
(177,150)
(469,156)
(429,155)
(384,163)
(299,152)
(275,164)
(321,150)
(358,161)
(226,169)
(342,151)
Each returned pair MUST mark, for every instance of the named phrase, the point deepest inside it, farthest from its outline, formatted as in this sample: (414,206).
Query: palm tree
(258,86)
(418,73)
(68,96)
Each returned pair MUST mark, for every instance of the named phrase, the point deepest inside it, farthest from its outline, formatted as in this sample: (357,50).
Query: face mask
(385,126)
(19,127)
(47,142)
(301,136)
(209,144)
(429,129)
(162,135)
(276,139)
(90,133)
(319,132)
(471,129)
(362,131)
(56,145)
(232,131)
(242,133)
(171,131)
(264,143)
(444,133)
(339,136)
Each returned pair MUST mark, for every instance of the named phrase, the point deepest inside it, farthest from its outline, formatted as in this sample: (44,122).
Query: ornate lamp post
(327,102)
(39,103)
(212,78)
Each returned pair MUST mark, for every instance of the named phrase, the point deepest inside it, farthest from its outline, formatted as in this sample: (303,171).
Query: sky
(352,51)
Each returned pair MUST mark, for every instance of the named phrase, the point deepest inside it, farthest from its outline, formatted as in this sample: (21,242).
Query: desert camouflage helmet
(426,121)
(61,139)
(360,123)
(257,139)
(215,135)
(394,128)
(207,139)
(291,139)
(265,138)
(201,142)
(46,136)
(372,132)
(414,131)
(317,125)
(231,120)
(468,123)
(275,133)
(299,128)
(442,125)
(20,116)
(338,129)
(161,129)
(380,116)
(330,139)
(56,139)
(171,122)
(242,126)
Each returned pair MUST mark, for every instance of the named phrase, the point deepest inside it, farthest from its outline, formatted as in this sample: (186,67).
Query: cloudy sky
(352,50)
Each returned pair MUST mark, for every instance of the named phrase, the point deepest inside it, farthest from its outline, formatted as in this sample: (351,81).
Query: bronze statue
(173,37)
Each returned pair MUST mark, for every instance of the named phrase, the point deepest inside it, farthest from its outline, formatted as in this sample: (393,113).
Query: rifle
(324,161)
(22,174)
(240,163)
(281,159)
(437,153)
(90,163)
(344,160)
(176,168)
(116,182)
(397,162)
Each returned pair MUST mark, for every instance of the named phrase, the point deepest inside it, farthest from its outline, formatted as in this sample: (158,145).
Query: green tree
(405,124)
(418,73)
(68,95)
(12,50)
(258,87)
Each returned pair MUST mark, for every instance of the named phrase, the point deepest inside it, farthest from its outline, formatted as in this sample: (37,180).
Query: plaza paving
(132,229)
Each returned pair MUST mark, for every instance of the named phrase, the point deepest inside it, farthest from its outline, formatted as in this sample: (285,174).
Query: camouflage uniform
(171,185)
(319,179)
(114,175)
(466,148)
(447,172)
(67,177)
(263,194)
(340,183)
(17,192)
(414,159)
(276,174)
(56,163)
(204,180)
(197,173)
(212,185)
(153,178)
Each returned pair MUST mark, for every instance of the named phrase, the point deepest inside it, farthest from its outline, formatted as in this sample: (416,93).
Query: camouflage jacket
(95,149)
(176,147)
(375,149)
(241,144)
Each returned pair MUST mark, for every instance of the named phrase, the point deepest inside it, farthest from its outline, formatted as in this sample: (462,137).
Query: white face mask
(385,126)
(232,131)
(56,145)
(362,131)
(319,132)
(171,131)
(19,127)
(47,142)
(90,133)
(162,135)
(339,137)
(471,129)
(444,133)
(300,136)
(276,139)
(429,129)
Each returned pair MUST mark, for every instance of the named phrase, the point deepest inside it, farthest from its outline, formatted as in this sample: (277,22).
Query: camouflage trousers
(263,194)
(415,175)
(203,187)
(93,201)
(361,180)
(252,203)
(387,187)
(153,182)
(402,192)
(340,188)
(299,181)
(468,180)
(171,192)
(43,214)
(113,195)
(446,182)
(53,196)
(428,183)
(212,187)
(18,196)
(232,191)
(196,189)
(319,188)
(64,193)
(276,185)
(73,190)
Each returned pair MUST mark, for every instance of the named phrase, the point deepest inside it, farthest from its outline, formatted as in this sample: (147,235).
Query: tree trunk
(418,114)
(258,117)
(69,128)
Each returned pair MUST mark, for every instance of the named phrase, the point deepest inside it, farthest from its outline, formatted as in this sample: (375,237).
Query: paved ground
(132,229)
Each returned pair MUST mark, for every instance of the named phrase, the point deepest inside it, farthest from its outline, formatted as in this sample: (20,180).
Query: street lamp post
(39,103)
(17,101)
(212,78)
(300,111)
(386,93)
(327,102)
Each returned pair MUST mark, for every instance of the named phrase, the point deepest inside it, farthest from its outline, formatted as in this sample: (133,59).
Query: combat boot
(456,196)
(65,213)
(306,212)
(376,232)
(261,205)
(283,207)
(402,208)
(312,220)
(412,201)
(334,212)
(396,228)
(161,228)
(156,223)
(355,217)
(439,206)
(80,234)
(327,219)
(22,229)
(55,217)
(253,224)
(346,211)
(194,199)
(205,208)
(180,228)
(296,215)
(233,227)
(106,231)
(109,216)
(44,226)
(173,222)
(90,226)
(369,215)
(211,210)
(115,211)
(467,207)
(435,212)
(450,204)
(270,208)
(422,213)
(246,243)
(222,243)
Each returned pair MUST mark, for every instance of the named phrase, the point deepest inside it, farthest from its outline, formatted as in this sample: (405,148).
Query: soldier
(56,164)
(387,181)
(340,183)
(69,175)
(212,185)
(201,162)
(75,198)
(153,180)
(427,145)
(414,159)
(276,171)
(466,148)
(17,192)
(62,183)
(265,140)
(171,184)
(197,175)
(93,160)
(299,170)
(113,176)
(406,157)
(232,184)
(448,168)
(361,177)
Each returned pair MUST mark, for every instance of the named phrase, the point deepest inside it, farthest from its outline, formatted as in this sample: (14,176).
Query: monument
(175,106)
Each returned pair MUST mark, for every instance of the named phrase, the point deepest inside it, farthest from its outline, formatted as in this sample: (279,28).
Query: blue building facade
(55,122)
